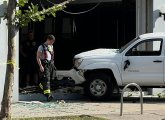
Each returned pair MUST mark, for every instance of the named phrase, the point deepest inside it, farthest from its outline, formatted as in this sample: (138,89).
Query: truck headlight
(77,62)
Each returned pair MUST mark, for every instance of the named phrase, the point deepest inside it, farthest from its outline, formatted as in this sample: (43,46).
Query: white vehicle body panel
(143,71)
(106,65)
(72,74)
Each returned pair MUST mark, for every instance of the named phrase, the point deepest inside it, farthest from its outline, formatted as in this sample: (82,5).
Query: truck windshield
(128,44)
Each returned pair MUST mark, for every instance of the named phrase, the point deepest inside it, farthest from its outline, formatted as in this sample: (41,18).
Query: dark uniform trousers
(48,75)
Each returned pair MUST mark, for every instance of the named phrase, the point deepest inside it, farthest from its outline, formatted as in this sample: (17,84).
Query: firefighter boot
(49,97)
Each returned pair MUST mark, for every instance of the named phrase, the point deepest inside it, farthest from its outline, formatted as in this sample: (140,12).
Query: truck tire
(99,86)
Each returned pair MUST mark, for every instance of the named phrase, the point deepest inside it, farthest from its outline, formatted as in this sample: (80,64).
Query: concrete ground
(154,108)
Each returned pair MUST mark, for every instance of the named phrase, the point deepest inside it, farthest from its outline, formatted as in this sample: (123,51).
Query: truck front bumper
(76,75)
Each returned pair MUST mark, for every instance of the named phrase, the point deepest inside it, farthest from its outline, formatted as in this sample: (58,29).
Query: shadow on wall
(156,15)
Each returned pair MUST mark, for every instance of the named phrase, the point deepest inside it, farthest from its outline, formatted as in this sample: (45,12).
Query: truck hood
(97,53)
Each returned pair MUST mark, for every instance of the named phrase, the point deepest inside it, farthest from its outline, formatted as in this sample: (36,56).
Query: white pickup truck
(101,71)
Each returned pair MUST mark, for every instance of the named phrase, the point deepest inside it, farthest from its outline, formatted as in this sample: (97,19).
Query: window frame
(128,53)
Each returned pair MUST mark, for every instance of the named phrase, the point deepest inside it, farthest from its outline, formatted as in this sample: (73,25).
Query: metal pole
(141,97)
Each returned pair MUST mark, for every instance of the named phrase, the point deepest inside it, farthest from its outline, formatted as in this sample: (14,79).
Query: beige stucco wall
(158,22)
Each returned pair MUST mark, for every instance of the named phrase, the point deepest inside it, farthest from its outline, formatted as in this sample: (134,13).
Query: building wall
(158,26)
(3,59)
(140,17)
(158,22)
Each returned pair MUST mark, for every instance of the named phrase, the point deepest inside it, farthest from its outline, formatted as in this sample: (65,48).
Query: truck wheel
(99,86)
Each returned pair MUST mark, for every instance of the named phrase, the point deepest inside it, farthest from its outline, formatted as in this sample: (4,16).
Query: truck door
(143,63)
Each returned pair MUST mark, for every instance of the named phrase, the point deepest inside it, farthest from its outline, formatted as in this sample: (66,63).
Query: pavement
(153,108)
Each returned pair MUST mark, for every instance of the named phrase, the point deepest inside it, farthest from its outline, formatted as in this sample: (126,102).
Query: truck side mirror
(132,52)
(134,49)
(129,53)
(126,64)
